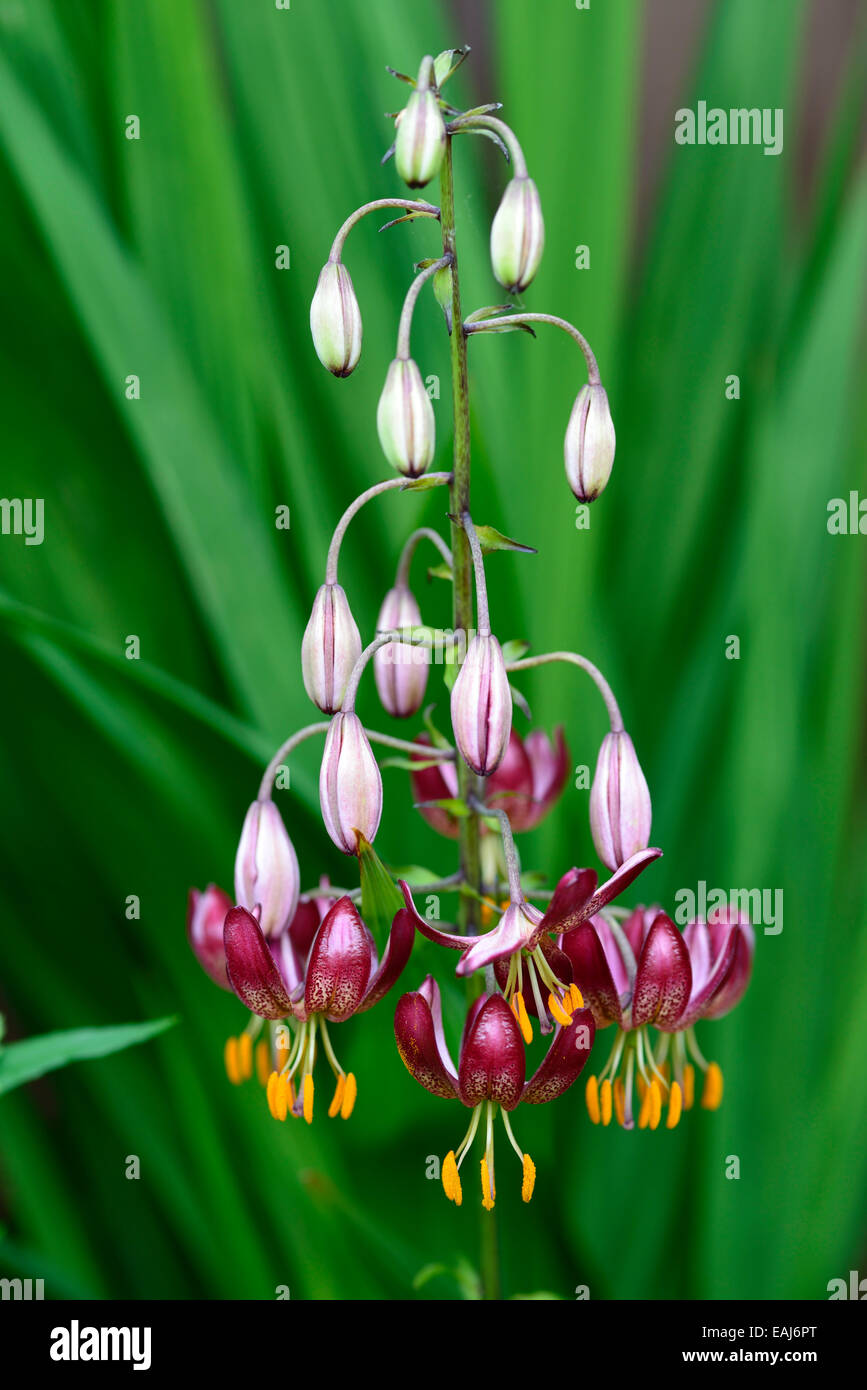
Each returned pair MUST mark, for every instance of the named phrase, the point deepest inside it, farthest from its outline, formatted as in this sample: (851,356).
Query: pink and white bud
(350,785)
(335,320)
(330,648)
(266,868)
(400,669)
(421,133)
(206,916)
(405,419)
(482,706)
(517,235)
(589,444)
(620,811)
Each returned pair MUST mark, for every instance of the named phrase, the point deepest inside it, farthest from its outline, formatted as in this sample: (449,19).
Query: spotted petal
(569,1050)
(592,974)
(397,952)
(251,967)
(492,1065)
(420,1042)
(663,980)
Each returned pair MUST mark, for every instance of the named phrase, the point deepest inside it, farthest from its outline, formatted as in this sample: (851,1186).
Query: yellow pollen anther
(281,1098)
(675,1105)
(335,1105)
(688,1086)
(232,1061)
(642,1087)
(529,1178)
(349,1094)
(451,1179)
(558,1010)
(271,1090)
(519,1009)
(655,1103)
(245,1056)
(644,1112)
(263,1063)
(711,1096)
(591,1095)
(488,1193)
(605,1097)
(619,1102)
(577,998)
(308,1098)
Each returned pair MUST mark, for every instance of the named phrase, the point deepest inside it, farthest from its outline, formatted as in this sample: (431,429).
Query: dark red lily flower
(491,1072)
(516,941)
(645,972)
(525,785)
(314,973)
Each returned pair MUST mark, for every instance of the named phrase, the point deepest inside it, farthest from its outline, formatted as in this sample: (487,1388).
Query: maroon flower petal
(565,911)
(737,977)
(626,874)
(342,958)
(515,930)
(440,938)
(418,1033)
(565,1058)
(510,787)
(436,784)
(663,980)
(398,950)
(492,1065)
(592,974)
(305,925)
(551,765)
(251,967)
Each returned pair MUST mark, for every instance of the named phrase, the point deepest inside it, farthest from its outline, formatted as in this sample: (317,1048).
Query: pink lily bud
(517,235)
(421,132)
(330,649)
(266,868)
(620,810)
(399,668)
(335,320)
(482,706)
(405,419)
(350,785)
(589,444)
(206,916)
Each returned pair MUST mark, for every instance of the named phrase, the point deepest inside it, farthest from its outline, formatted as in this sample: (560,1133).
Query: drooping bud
(206,916)
(421,132)
(330,649)
(482,706)
(405,419)
(589,444)
(517,235)
(266,868)
(399,668)
(335,320)
(620,810)
(350,785)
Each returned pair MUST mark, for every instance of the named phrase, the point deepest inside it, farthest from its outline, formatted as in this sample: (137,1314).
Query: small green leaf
(492,539)
(426,481)
(479,315)
(415,875)
(514,649)
(452,804)
(442,571)
(25,1061)
(380,896)
(521,701)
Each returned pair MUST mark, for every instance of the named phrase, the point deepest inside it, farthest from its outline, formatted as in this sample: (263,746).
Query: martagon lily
(313,974)
(521,941)
(491,1073)
(645,972)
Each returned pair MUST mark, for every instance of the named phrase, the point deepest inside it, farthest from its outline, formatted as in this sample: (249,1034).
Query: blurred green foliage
(156,257)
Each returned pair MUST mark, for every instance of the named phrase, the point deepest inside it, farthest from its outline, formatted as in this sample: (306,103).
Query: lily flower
(520,941)
(527,783)
(314,973)
(491,1073)
(645,972)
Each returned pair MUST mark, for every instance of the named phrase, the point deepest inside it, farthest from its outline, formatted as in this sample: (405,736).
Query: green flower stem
(422,209)
(515,320)
(405,325)
(574,659)
(432,479)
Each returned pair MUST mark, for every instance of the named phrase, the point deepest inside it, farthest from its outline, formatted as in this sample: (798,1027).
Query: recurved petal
(341,960)
(517,929)
(566,910)
(251,967)
(492,1065)
(206,915)
(418,1033)
(663,980)
(626,874)
(737,977)
(398,950)
(569,1050)
(441,938)
(592,974)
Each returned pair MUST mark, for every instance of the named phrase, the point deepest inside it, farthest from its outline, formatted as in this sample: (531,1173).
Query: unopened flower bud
(517,235)
(399,668)
(330,649)
(266,868)
(405,419)
(620,811)
(421,133)
(482,706)
(589,445)
(335,320)
(350,785)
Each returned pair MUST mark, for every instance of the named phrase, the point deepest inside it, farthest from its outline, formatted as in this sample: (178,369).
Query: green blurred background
(156,257)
